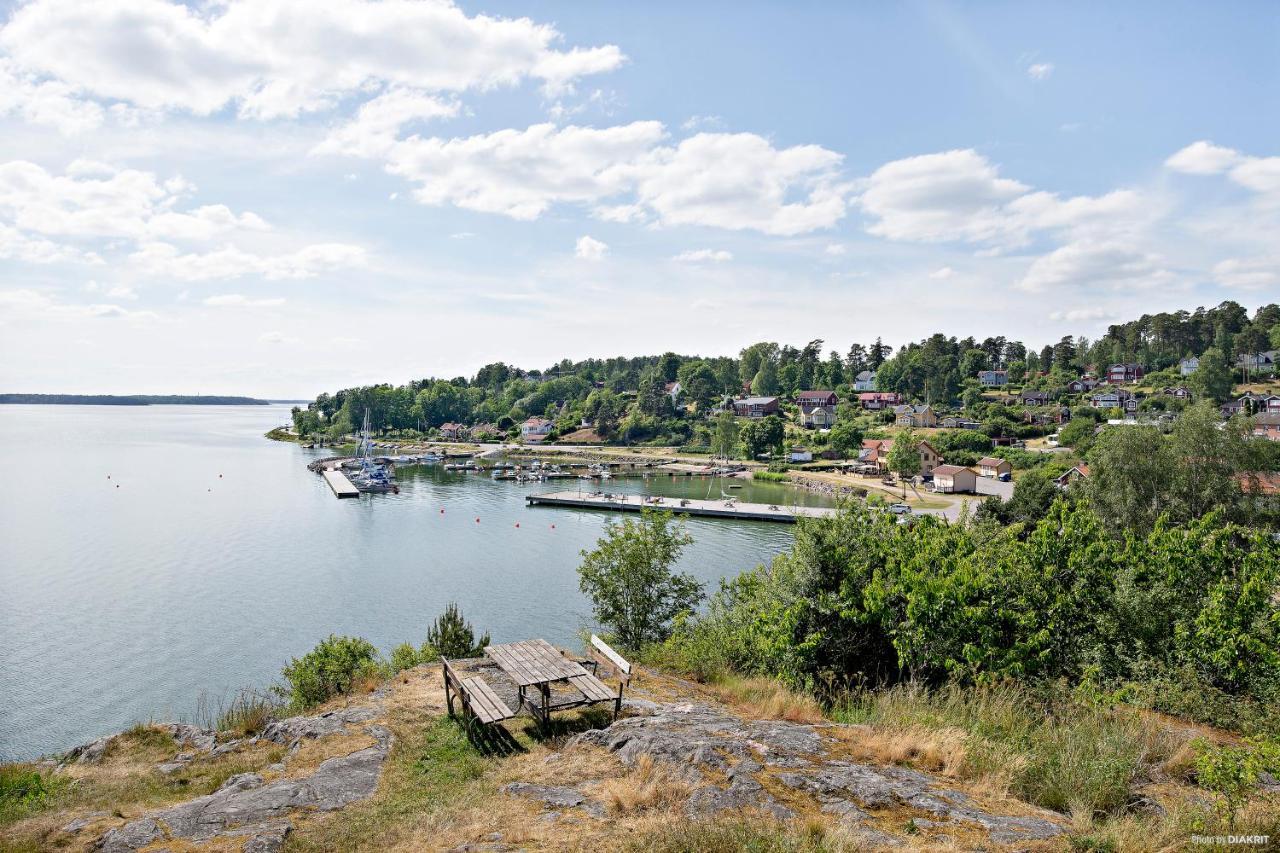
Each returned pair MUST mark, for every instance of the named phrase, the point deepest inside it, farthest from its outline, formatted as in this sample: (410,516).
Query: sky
(282,197)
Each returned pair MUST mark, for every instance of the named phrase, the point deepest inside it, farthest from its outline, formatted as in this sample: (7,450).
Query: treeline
(628,398)
(128,400)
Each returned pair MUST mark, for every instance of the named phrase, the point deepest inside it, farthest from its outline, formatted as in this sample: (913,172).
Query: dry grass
(648,786)
(767,699)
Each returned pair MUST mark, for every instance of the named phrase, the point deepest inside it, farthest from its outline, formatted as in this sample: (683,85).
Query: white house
(993,378)
(954,478)
(865,381)
(535,429)
(801,454)
(1189,366)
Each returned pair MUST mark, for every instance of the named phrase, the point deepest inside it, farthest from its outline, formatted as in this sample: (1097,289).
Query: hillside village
(972,412)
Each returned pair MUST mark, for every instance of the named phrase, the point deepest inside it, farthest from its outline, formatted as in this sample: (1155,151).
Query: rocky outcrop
(247,806)
(704,742)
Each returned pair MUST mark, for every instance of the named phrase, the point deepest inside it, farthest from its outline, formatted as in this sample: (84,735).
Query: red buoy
(442,510)
(517,524)
(553,527)
(477,521)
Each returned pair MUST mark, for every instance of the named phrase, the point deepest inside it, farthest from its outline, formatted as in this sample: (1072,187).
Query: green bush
(861,600)
(330,669)
(770,476)
(404,656)
(24,790)
(451,636)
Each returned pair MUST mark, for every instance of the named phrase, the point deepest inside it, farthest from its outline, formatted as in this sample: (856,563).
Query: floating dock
(342,487)
(680,506)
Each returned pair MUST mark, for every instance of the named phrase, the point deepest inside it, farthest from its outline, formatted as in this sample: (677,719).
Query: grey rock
(185,733)
(242,782)
(743,793)
(89,753)
(223,749)
(329,723)
(246,800)
(131,836)
(640,706)
(278,767)
(81,822)
(268,838)
(552,795)
(847,812)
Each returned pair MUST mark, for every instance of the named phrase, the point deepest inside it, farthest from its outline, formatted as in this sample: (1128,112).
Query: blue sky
(282,197)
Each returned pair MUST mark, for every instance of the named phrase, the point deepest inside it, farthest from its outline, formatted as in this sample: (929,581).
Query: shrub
(330,669)
(770,476)
(404,656)
(248,713)
(451,636)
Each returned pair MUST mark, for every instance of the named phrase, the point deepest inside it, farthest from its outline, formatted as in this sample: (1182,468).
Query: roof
(950,470)
(755,401)
(1260,482)
(992,461)
(537,422)
(814,395)
(865,375)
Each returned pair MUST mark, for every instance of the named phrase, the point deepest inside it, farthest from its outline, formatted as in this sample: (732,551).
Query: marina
(342,487)
(724,508)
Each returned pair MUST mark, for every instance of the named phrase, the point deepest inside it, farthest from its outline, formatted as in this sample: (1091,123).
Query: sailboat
(371,477)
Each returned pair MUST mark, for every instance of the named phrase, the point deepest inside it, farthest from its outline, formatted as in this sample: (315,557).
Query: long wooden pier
(341,486)
(685,506)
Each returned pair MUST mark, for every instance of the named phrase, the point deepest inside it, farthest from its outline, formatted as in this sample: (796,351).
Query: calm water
(149,554)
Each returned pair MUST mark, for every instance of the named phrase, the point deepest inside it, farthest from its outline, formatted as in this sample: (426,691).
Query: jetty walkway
(684,506)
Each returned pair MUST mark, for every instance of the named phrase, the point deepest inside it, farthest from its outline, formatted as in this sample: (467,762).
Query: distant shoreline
(131,400)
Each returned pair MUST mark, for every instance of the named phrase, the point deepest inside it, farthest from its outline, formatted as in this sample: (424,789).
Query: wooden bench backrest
(607,657)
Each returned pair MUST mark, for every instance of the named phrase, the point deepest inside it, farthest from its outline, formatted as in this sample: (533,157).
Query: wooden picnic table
(538,664)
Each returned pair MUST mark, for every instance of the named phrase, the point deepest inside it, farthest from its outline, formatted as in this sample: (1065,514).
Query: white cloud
(1259,174)
(98,200)
(521,173)
(238,300)
(1203,158)
(960,196)
(49,102)
(276,338)
(1040,70)
(1248,273)
(165,260)
(590,249)
(836,250)
(20,247)
(735,181)
(373,131)
(698,256)
(942,273)
(1081,314)
(1088,264)
(275,58)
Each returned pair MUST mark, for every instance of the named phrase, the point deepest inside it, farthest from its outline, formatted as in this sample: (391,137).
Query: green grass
(769,476)
(1055,752)
(24,791)
(433,766)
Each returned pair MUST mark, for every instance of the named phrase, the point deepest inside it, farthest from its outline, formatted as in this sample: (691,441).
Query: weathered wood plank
(593,688)
(616,660)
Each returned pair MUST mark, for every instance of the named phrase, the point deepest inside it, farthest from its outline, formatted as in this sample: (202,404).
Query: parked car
(899,509)
(1006,477)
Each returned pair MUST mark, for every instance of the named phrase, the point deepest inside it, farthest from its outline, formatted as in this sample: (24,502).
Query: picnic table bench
(478,698)
(537,664)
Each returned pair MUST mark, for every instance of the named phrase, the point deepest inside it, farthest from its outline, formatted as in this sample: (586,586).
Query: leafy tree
(765,382)
(904,456)
(452,636)
(1212,379)
(1077,433)
(629,579)
(762,435)
(698,383)
(846,438)
(724,440)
